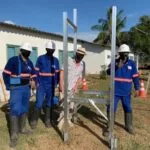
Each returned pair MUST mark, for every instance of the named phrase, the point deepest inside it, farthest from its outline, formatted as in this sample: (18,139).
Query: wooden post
(3,90)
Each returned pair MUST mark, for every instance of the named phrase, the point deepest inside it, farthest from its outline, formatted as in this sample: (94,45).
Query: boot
(14,130)
(107,130)
(47,117)
(22,122)
(54,115)
(128,122)
(34,117)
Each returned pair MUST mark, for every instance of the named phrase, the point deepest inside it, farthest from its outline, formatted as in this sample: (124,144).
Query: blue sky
(46,15)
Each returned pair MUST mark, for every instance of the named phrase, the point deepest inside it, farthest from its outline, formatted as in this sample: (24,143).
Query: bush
(103,73)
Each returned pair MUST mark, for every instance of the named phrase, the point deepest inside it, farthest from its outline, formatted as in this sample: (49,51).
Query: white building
(12,37)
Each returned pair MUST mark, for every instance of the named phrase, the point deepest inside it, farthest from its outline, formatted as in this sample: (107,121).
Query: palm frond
(104,27)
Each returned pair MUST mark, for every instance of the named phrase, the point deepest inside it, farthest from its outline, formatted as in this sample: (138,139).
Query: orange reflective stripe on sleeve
(135,75)
(46,74)
(57,70)
(13,75)
(123,80)
(33,76)
(7,72)
(37,69)
(25,75)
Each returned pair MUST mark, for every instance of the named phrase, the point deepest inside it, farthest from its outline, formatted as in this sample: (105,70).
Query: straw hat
(81,50)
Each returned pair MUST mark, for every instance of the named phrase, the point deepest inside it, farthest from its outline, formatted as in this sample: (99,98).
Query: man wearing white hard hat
(17,75)
(76,72)
(47,69)
(125,74)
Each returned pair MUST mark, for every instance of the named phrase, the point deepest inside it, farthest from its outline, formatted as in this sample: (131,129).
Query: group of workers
(20,76)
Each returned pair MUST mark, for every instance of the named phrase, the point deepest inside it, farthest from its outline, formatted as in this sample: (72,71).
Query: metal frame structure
(78,100)
(73,24)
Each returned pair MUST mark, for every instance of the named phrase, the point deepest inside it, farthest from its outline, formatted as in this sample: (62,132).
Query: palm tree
(104,28)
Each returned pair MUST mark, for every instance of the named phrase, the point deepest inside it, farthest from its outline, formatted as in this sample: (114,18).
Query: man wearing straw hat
(76,69)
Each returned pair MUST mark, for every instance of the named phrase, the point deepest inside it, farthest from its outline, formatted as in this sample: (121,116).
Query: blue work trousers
(19,100)
(126,103)
(44,95)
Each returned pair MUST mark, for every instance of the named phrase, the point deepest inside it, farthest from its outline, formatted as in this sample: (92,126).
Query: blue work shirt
(124,77)
(26,72)
(47,70)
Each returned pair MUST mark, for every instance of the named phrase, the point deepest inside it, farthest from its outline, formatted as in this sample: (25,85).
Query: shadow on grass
(120,125)
(81,124)
(94,118)
(54,116)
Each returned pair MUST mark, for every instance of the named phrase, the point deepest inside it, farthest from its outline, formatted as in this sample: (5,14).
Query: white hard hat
(26,46)
(50,45)
(81,50)
(124,48)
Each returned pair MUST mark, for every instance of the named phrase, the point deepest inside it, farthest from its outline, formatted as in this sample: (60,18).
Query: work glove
(33,84)
(56,92)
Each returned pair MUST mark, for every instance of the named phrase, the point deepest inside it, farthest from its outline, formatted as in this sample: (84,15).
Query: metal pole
(3,90)
(113,49)
(148,82)
(65,58)
(75,31)
(137,62)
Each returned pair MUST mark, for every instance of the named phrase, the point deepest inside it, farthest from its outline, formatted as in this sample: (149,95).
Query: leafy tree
(104,28)
(140,38)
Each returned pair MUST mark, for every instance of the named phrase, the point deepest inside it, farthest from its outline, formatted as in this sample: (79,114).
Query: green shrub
(103,73)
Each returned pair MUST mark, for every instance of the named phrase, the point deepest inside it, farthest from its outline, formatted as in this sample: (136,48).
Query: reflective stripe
(21,75)
(7,72)
(123,80)
(46,74)
(57,70)
(13,75)
(33,76)
(135,75)
(25,75)
(37,69)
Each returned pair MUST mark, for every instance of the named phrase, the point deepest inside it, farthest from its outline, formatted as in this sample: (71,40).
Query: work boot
(34,117)
(14,130)
(128,122)
(47,117)
(54,115)
(106,131)
(22,122)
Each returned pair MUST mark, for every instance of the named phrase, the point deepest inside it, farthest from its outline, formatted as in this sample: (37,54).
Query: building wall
(95,58)
(107,55)
(18,37)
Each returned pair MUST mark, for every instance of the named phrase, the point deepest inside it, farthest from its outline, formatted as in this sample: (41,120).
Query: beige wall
(15,37)
(95,58)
